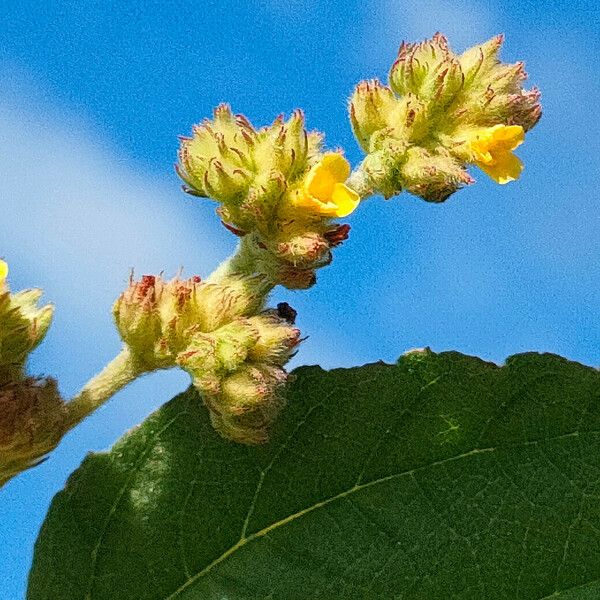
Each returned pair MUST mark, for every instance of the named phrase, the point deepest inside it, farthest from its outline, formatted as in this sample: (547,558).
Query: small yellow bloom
(324,191)
(3,271)
(492,151)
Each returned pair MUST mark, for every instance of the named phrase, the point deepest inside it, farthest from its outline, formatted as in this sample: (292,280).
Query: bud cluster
(32,421)
(219,333)
(239,369)
(32,414)
(23,325)
(440,113)
(275,186)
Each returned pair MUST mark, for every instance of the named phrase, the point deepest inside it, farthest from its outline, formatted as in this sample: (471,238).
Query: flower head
(492,148)
(23,325)
(440,113)
(324,191)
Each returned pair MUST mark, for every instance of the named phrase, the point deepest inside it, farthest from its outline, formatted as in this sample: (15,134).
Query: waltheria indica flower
(23,326)
(33,419)
(492,148)
(275,188)
(440,113)
(323,190)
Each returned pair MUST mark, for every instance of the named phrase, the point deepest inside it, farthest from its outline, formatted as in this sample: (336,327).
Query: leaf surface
(441,477)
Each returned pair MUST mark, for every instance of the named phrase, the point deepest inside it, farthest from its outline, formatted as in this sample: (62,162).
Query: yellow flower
(3,271)
(492,151)
(324,191)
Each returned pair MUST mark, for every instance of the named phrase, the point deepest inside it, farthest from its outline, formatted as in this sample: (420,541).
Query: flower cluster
(275,187)
(32,414)
(23,325)
(440,113)
(220,334)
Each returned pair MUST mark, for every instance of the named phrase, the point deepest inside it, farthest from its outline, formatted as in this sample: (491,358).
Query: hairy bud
(32,422)
(238,369)
(247,170)
(157,319)
(276,340)
(249,404)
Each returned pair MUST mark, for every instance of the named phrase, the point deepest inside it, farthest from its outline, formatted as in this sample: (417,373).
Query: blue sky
(93,96)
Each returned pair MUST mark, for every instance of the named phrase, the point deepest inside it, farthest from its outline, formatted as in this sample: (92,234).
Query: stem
(240,262)
(248,259)
(123,369)
(360,182)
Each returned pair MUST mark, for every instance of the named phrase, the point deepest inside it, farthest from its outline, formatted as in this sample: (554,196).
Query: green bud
(249,404)
(158,320)
(296,278)
(199,359)
(276,341)
(33,419)
(23,325)
(428,70)
(433,177)
(235,296)
(234,342)
(137,318)
(372,108)
(300,246)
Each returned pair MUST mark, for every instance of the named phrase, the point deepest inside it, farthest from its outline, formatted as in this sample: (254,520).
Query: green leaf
(442,477)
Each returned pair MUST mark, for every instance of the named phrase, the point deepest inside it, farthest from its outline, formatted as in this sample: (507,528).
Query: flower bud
(236,296)
(249,404)
(301,247)
(199,359)
(23,325)
(372,106)
(137,318)
(429,70)
(433,177)
(276,340)
(33,419)
(295,278)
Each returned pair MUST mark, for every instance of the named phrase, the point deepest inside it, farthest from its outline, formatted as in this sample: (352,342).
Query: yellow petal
(321,179)
(306,201)
(345,199)
(506,137)
(3,270)
(506,167)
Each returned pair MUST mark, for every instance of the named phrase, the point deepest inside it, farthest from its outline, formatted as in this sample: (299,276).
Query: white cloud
(465,22)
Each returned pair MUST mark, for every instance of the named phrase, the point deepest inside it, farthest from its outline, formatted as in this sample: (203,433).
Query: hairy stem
(123,369)
(360,182)
(248,259)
